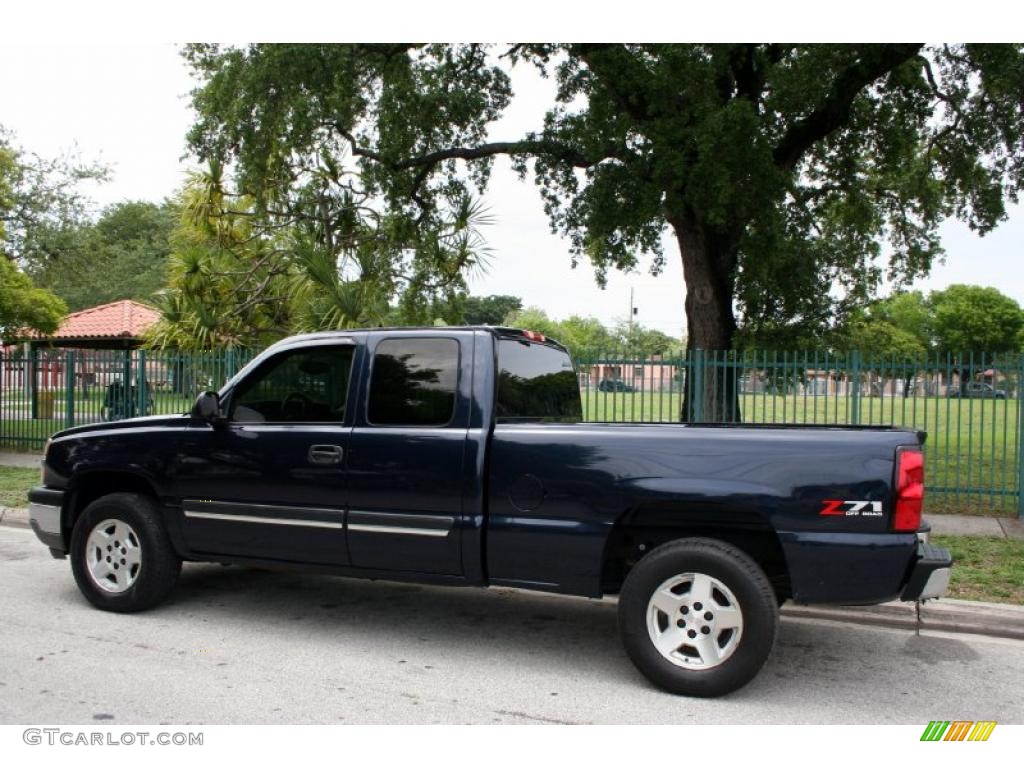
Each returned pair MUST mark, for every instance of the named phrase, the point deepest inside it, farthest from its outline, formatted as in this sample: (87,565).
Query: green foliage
(587,337)
(645,342)
(909,312)
(959,319)
(794,177)
(39,195)
(970,318)
(23,305)
(221,291)
(242,275)
(27,185)
(489,310)
(123,255)
(8,175)
(362,256)
(535,319)
(881,340)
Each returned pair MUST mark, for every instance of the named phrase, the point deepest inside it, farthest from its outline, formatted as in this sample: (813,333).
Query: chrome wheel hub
(694,621)
(113,556)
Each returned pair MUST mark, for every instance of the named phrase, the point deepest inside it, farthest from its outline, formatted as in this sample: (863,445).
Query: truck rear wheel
(698,617)
(121,556)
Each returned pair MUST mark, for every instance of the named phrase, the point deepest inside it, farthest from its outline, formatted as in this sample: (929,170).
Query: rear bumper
(929,577)
(45,513)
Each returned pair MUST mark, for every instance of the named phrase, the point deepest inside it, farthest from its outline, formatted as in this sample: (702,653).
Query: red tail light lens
(909,490)
(533,336)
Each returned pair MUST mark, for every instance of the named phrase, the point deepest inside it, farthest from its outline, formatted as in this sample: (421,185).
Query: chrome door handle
(325,454)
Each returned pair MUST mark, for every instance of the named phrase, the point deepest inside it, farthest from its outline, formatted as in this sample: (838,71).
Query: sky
(128,106)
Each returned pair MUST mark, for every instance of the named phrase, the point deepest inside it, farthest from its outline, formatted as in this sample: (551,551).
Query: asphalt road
(238,645)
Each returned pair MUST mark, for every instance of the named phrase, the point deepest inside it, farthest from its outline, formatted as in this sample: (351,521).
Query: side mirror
(207,408)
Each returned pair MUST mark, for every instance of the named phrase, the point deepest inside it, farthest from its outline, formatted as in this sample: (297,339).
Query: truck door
(407,452)
(270,482)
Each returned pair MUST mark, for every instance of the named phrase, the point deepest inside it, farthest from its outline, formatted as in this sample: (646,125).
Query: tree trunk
(709,259)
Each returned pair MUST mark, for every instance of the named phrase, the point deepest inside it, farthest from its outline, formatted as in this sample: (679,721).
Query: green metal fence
(970,404)
(46,390)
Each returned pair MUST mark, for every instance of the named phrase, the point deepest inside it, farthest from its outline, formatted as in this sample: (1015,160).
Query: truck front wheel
(121,556)
(698,617)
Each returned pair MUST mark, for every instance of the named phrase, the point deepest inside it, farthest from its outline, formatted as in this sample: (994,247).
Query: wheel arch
(645,527)
(89,486)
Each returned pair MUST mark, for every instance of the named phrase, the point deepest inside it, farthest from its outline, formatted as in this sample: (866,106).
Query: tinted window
(536,382)
(306,385)
(413,382)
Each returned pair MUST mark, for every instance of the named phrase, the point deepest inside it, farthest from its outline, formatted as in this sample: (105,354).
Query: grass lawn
(15,483)
(987,569)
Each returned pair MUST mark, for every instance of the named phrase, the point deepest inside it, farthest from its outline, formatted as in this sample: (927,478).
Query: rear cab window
(413,382)
(536,382)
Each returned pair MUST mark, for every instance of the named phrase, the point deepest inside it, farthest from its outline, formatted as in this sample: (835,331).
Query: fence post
(33,383)
(697,390)
(855,387)
(69,389)
(1020,437)
(126,389)
(140,384)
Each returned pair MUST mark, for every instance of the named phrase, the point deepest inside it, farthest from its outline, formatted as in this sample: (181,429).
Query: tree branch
(536,147)
(748,77)
(834,111)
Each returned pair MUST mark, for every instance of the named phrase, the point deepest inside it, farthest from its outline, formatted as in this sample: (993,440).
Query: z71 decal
(847,508)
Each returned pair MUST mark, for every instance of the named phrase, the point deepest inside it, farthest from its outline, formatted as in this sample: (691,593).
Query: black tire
(156,572)
(744,653)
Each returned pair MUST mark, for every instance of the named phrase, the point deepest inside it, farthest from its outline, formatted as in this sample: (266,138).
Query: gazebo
(91,347)
(117,325)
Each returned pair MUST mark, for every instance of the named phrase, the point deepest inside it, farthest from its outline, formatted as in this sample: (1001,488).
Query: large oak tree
(792,177)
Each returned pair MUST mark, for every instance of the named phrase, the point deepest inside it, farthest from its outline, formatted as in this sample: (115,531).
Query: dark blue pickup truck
(459,456)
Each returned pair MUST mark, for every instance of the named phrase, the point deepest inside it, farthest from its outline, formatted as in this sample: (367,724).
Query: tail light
(909,490)
(533,336)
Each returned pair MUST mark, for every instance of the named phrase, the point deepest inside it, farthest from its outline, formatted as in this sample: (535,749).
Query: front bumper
(45,506)
(929,577)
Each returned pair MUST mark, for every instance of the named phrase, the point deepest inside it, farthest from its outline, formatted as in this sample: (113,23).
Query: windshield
(536,383)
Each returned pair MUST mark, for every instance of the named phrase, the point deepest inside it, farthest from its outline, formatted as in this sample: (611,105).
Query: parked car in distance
(977,389)
(614,385)
(459,456)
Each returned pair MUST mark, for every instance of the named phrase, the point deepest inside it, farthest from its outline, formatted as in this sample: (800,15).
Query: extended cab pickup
(459,456)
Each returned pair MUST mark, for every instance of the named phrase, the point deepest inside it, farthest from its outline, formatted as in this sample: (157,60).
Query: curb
(961,616)
(16,517)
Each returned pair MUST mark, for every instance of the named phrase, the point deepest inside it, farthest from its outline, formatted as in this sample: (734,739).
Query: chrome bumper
(44,517)
(937,584)
(929,577)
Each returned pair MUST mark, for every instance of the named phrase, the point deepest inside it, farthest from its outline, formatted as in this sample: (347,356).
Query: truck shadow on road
(549,634)
(498,620)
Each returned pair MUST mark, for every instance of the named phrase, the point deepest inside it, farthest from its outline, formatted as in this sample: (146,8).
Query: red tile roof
(119,319)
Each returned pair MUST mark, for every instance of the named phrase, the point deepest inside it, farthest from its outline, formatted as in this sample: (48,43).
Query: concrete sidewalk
(971,525)
(16,459)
